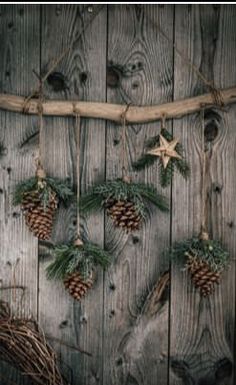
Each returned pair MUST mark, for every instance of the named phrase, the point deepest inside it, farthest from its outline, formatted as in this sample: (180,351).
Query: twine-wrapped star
(165,151)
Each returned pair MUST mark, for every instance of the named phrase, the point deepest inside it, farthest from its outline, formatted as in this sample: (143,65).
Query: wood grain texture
(19,47)
(62,317)
(122,58)
(202,330)
(135,348)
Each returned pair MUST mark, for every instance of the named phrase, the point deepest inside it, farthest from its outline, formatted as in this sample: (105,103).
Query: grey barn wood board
(122,58)
(18,249)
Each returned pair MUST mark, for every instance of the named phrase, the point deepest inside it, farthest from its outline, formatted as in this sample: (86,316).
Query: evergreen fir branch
(209,251)
(146,160)
(45,187)
(149,193)
(61,188)
(139,193)
(24,187)
(167,135)
(70,258)
(99,256)
(152,142)
(58,268)
(183,167)
(166,174)
(90,202)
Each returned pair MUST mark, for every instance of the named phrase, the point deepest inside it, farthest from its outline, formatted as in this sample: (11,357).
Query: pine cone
(124,214)
(77,285)
(38,218)
(202,275)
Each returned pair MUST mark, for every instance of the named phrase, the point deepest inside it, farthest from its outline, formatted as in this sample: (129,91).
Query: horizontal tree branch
(135,114)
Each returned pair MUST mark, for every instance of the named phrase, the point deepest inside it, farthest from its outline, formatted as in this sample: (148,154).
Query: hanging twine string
(124,155)
(215,92)
(78,241)
(39,167)
(163,121)
(59,58)
(204,232)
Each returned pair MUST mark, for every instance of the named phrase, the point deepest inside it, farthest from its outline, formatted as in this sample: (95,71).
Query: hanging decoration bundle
(75,264)
(205,258)
(125,202)
(170,154)
(24,346)
(40,195)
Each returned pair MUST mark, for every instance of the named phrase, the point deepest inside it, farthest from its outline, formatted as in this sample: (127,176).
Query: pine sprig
(70,258)
(209,251)
(165,174)
(139,193)
(45,187)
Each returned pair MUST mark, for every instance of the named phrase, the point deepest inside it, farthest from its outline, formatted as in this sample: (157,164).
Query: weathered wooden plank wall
(122,58)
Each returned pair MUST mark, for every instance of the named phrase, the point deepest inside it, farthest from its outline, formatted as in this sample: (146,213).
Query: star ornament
(165,151)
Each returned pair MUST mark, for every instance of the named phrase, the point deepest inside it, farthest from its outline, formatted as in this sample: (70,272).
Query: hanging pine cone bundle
(205,260)
(75,263)
(125,202)
(39,198)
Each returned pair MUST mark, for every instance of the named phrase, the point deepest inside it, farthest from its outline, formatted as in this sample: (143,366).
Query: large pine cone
(202,275)
(124,214)
(77,285)
(38,218)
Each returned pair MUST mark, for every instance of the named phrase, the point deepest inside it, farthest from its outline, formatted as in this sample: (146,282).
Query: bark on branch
(114,112)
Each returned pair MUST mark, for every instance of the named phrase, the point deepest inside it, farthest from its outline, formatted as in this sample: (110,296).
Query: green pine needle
(166,174)
(61,188)
(70,258)
(209,251)
(139,193)
(145,160)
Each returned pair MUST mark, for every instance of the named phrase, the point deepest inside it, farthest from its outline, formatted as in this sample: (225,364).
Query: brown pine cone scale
(77,286)
(38,218)
(124,214)
(202,275)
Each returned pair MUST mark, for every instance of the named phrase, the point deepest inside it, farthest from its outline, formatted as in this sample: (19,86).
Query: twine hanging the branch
(124,155)
(215,92)
(56,61)
(78,242)
(40,114)
(204,230)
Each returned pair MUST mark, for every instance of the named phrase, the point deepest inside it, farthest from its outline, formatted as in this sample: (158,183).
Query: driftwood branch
(114,112)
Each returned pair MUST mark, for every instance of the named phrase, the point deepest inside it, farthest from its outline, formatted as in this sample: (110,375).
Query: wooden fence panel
(121,57)
(202,329)
(19,47)
(136,343)
(83,72)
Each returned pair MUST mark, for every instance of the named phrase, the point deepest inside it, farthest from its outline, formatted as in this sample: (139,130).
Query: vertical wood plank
(19,47)
(139,72)
(202,330)
(83,73)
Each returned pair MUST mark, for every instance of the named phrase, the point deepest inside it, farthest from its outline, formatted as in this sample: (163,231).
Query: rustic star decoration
(165,151)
